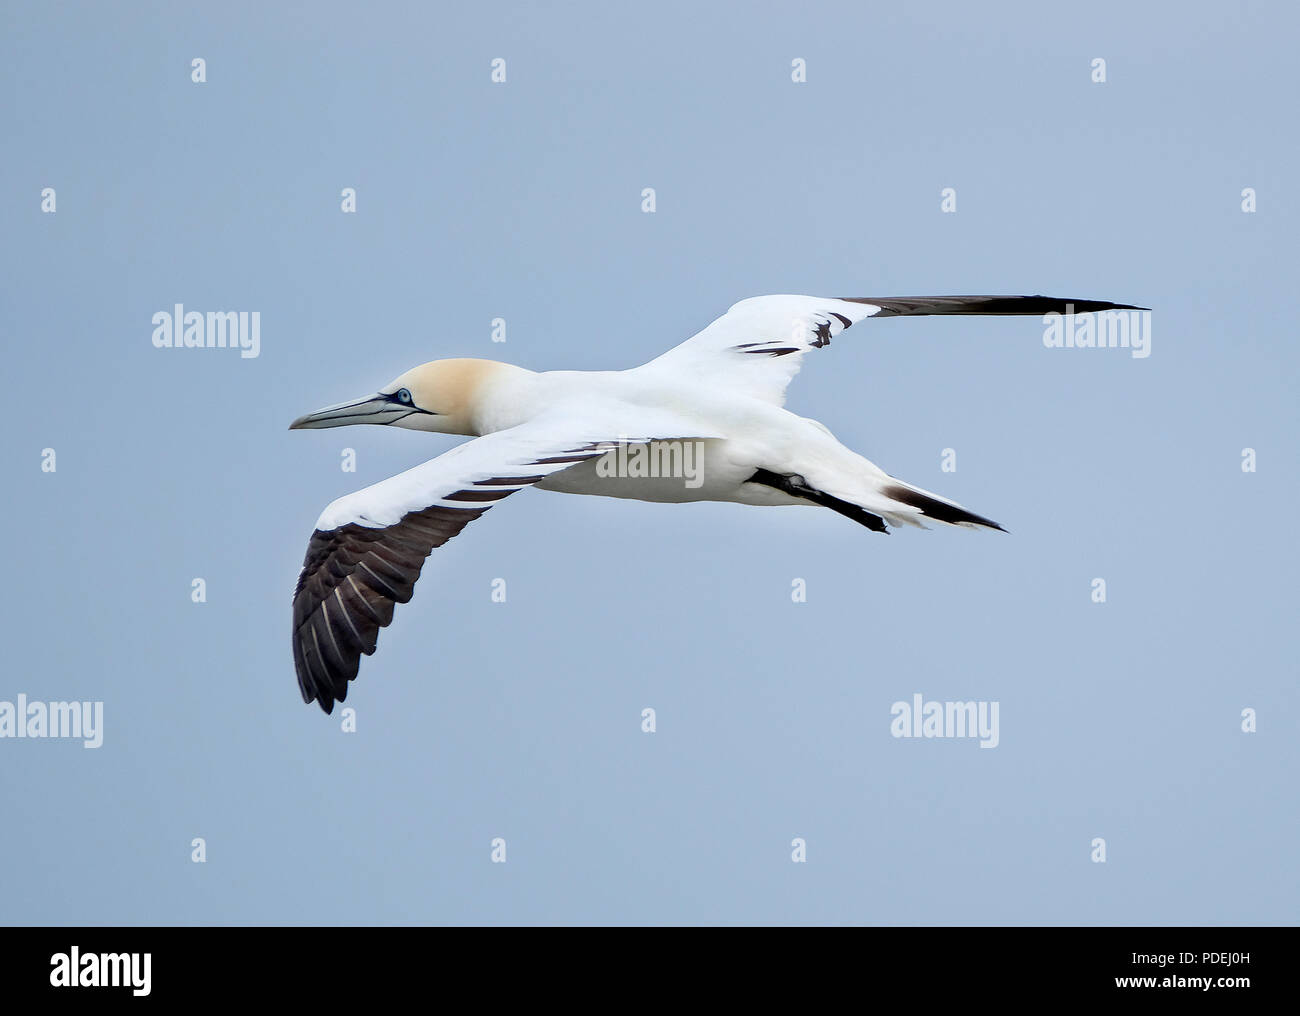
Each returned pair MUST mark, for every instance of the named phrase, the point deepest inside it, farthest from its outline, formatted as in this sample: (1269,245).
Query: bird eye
(404,396)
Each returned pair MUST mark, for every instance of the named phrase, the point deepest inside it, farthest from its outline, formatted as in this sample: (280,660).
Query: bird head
(440,396)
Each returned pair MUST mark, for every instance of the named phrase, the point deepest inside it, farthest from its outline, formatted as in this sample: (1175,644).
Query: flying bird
(721,391)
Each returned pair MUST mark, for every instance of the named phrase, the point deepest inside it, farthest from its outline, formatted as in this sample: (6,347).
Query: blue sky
(521,720)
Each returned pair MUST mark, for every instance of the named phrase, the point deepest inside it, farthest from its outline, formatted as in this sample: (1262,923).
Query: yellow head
(439,396)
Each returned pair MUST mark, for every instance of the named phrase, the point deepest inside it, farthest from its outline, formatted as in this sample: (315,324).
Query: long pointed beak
(371,409)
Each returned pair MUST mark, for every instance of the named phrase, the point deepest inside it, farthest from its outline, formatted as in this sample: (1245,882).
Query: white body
(737,433)
(724,386)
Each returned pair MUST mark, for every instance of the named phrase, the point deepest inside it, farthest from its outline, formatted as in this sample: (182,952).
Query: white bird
(716,400)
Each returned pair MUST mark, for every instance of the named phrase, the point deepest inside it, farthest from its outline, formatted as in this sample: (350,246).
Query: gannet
(722,391)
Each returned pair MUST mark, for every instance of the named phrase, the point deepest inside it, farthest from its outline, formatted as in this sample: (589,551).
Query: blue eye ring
(403,396)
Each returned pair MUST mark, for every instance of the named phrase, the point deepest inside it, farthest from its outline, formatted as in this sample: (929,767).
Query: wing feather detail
(758,346)
(369,547)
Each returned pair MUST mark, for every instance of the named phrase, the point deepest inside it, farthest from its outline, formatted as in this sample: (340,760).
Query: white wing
(369,547)
(758,346)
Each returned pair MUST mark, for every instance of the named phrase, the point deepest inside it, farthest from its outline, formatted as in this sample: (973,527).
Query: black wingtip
(1091,306)
(915,306)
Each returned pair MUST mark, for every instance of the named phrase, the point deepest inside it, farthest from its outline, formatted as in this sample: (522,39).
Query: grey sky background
(522,720)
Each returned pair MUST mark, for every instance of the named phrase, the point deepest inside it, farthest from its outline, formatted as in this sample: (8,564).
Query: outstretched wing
(758,345)
(369,547)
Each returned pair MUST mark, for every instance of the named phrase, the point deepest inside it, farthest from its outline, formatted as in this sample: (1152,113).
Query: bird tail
(910,505)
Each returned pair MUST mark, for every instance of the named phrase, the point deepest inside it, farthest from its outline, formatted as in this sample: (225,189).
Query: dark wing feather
(758,346)
(908,306)
(357,568)
(351,579)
